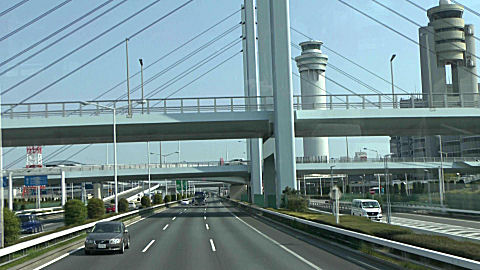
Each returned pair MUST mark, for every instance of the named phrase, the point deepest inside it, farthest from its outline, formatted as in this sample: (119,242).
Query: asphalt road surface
(216,236)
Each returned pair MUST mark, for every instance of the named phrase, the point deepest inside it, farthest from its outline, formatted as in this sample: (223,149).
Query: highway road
(217,236)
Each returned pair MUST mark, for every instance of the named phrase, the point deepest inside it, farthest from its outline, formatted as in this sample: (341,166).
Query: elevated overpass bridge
(57,123)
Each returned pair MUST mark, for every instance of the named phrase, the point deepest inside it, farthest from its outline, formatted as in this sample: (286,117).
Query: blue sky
(338,26)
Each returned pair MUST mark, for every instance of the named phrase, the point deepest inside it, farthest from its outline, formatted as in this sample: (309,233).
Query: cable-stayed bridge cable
(97,37)
(54,33)
(96,57)
(13,7)
(62,38)
(34,20)
(169,53)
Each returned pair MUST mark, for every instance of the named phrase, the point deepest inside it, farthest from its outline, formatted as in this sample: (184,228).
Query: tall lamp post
(141,72)
(387,186)
(373,150)
(115,167)
(149,177)
(441,178)
(331,186)
(393,86)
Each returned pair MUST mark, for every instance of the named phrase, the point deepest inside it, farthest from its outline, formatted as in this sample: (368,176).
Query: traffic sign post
(36,180)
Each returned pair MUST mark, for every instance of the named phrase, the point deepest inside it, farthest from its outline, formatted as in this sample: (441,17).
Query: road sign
(179,185)
(332,193)
(35,180)
(5,181)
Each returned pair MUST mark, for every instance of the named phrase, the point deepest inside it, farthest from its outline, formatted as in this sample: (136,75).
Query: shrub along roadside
(444,244)
(145,201)
(122,205)
(11,226)
(75,212)
(95,208)
(157,199)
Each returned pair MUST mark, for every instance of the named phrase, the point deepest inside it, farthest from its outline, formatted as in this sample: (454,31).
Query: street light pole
(331,187)
(393,86)
(141,72)
(387,186)
(441,177)
(148,157)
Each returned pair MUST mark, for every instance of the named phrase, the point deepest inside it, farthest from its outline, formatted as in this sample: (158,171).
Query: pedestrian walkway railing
(240,104)
(390,159)
(107,167)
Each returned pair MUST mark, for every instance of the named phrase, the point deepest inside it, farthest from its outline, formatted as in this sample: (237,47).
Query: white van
(367,208)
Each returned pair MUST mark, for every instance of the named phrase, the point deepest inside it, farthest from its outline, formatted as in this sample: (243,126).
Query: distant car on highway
(107,236)
(237,161)
(132,206)
(110,209)
(199,198)
(366,208)
(30,224)
(185,202)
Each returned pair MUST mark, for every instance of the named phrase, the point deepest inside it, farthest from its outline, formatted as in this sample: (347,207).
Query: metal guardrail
(45,240)
(346,206)
(422,252)
(241,104)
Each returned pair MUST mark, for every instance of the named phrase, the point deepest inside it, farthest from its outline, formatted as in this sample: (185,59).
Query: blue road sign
(35,180)
(5,181)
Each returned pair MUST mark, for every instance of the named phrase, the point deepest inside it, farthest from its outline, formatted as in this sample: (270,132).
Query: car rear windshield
(24,219)
(370,205)
(107,228)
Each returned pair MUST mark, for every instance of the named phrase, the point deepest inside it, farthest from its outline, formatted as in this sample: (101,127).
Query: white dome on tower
(445,2)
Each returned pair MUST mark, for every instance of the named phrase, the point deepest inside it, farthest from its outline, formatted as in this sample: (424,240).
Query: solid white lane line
(149,244)
(212,245)
(278,244)
(174,218)
(166,226)
(206,225)
(58,258)
(204,217)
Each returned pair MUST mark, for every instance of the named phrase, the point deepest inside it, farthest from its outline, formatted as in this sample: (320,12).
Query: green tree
(11,226)
(157,199)
(122,205)
(75,212)
(167,198)
(145,201)
(95,208)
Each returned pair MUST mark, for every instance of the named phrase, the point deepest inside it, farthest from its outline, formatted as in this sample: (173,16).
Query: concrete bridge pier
(236,191)
(269,183)
(64,189)
(97,190)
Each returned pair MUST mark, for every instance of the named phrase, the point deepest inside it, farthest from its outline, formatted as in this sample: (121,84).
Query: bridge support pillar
(64,189)
(281,82)
(269,182)
(97,190)
(254,146)
(236,191)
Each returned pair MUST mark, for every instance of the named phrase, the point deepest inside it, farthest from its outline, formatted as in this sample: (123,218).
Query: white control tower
(311,65)
(447,42)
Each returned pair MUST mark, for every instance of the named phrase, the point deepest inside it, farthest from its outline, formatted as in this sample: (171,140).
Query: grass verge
(439,243)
